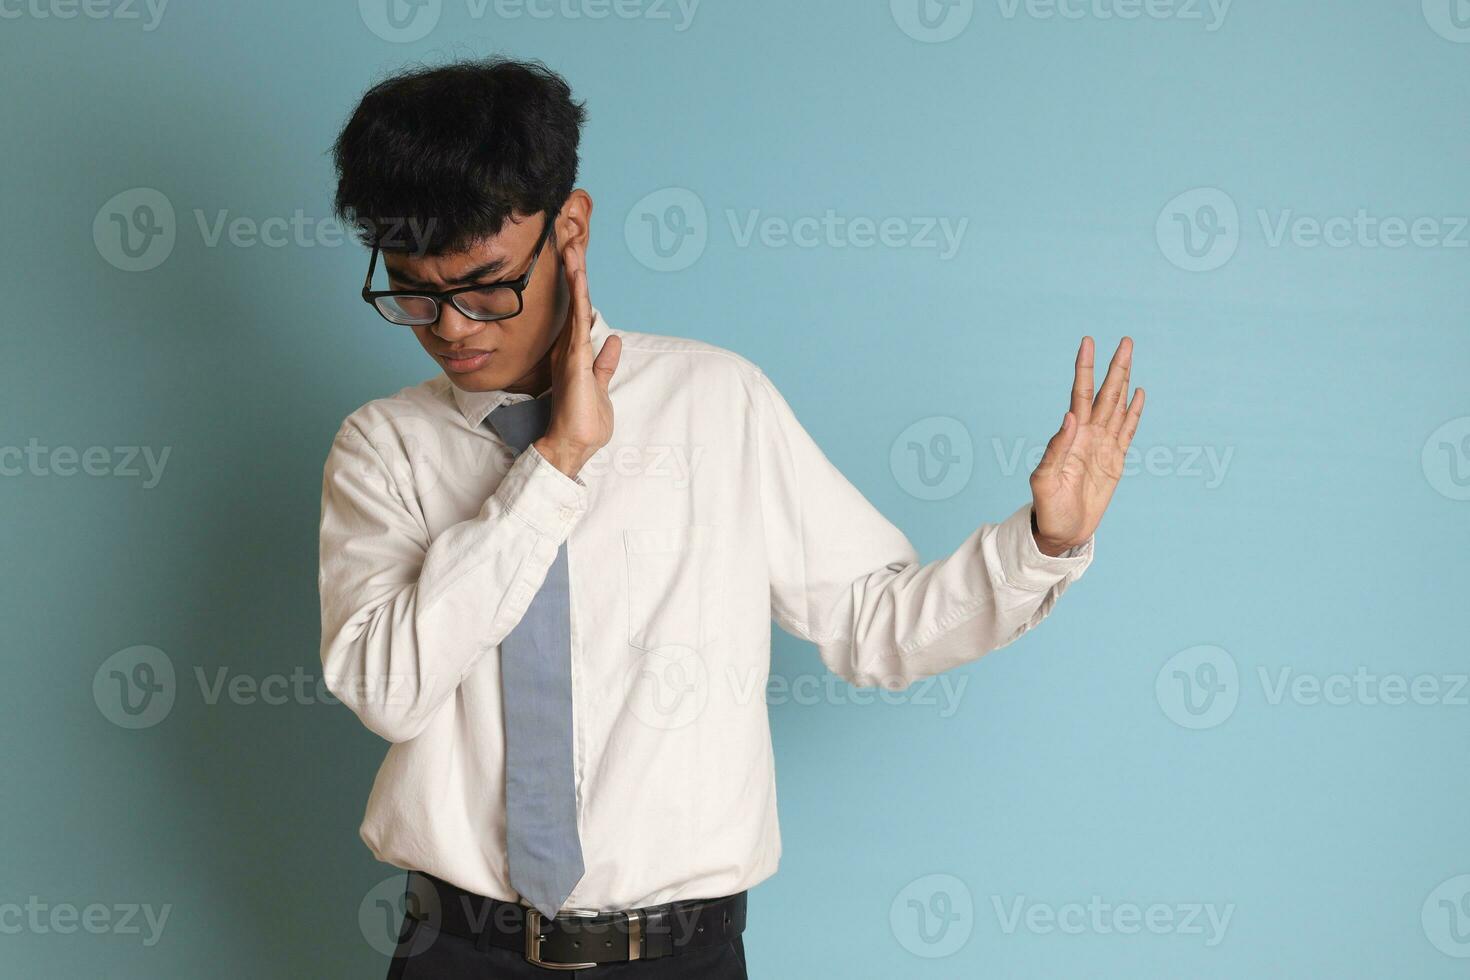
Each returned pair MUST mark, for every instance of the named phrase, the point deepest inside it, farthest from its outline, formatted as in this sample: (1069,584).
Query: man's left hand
(1075,480)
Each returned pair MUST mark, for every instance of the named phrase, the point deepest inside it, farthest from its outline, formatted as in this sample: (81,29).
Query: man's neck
(536,381)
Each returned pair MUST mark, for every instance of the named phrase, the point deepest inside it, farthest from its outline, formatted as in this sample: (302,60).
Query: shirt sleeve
(845,578)
(404,618)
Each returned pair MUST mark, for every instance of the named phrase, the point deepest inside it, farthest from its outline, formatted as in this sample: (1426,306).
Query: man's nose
(454,326)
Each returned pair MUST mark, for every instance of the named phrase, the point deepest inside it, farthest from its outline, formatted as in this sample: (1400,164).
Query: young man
(548,574)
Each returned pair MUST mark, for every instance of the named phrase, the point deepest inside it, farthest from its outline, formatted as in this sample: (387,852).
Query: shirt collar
(476,406)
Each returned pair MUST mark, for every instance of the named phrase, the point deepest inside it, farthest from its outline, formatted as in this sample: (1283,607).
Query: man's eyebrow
(484,272)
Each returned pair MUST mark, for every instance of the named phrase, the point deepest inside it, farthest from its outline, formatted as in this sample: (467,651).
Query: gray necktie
(543,848)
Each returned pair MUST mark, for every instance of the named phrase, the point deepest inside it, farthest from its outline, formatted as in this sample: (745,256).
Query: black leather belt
(576,938)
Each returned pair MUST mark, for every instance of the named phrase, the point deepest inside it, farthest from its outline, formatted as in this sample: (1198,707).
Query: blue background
(1332,542)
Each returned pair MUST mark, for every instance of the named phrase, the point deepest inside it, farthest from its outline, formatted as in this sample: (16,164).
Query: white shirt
(709,513)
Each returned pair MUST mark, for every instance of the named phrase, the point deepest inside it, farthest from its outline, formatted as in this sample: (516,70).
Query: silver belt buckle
(534,919)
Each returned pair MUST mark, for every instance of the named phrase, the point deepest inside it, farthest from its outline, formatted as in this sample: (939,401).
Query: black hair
(434,159)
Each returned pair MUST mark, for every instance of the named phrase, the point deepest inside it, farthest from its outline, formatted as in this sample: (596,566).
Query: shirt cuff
(542,495)
(1024,565)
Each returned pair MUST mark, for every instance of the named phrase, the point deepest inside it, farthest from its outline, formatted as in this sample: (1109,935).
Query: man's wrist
(565,456)
(1046,546)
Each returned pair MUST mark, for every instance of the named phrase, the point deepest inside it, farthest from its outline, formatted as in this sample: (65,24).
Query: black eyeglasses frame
(518,285)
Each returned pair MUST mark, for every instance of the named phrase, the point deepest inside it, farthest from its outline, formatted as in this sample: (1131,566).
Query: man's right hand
(582,413)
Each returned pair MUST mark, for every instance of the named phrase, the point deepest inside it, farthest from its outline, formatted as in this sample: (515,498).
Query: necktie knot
(521,423)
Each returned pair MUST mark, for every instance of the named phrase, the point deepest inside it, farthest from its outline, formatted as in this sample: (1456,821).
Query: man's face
(501,354)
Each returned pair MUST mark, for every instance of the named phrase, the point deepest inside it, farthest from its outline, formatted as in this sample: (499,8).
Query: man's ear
(574,221)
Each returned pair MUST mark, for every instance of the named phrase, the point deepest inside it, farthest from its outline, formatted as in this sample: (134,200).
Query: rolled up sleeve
(404,617)
(845,578)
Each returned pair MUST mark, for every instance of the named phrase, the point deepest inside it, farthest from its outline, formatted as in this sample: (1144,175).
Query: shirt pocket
(674,591)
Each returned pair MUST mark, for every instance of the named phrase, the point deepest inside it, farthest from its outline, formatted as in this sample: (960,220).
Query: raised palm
(1083,462)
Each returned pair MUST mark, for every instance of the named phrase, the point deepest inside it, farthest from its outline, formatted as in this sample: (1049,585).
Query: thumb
(1057,448)
(607,360)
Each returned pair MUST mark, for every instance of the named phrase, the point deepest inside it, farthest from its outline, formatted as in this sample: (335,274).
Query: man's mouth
(466,360)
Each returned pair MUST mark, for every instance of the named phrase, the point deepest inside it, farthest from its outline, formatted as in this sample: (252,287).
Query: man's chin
(482,380)
(483,372)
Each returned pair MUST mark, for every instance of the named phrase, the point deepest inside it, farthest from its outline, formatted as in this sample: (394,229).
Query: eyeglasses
(480,301)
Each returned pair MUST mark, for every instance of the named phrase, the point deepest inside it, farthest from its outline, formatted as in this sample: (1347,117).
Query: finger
(1120,410)
(1130,422)
(580,340)
(582,312)
(1082,382)
(1058,447)
(1113,385)
(607,360)
(569,265)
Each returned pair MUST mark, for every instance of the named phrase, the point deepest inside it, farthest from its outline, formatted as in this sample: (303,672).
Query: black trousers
(424,953)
